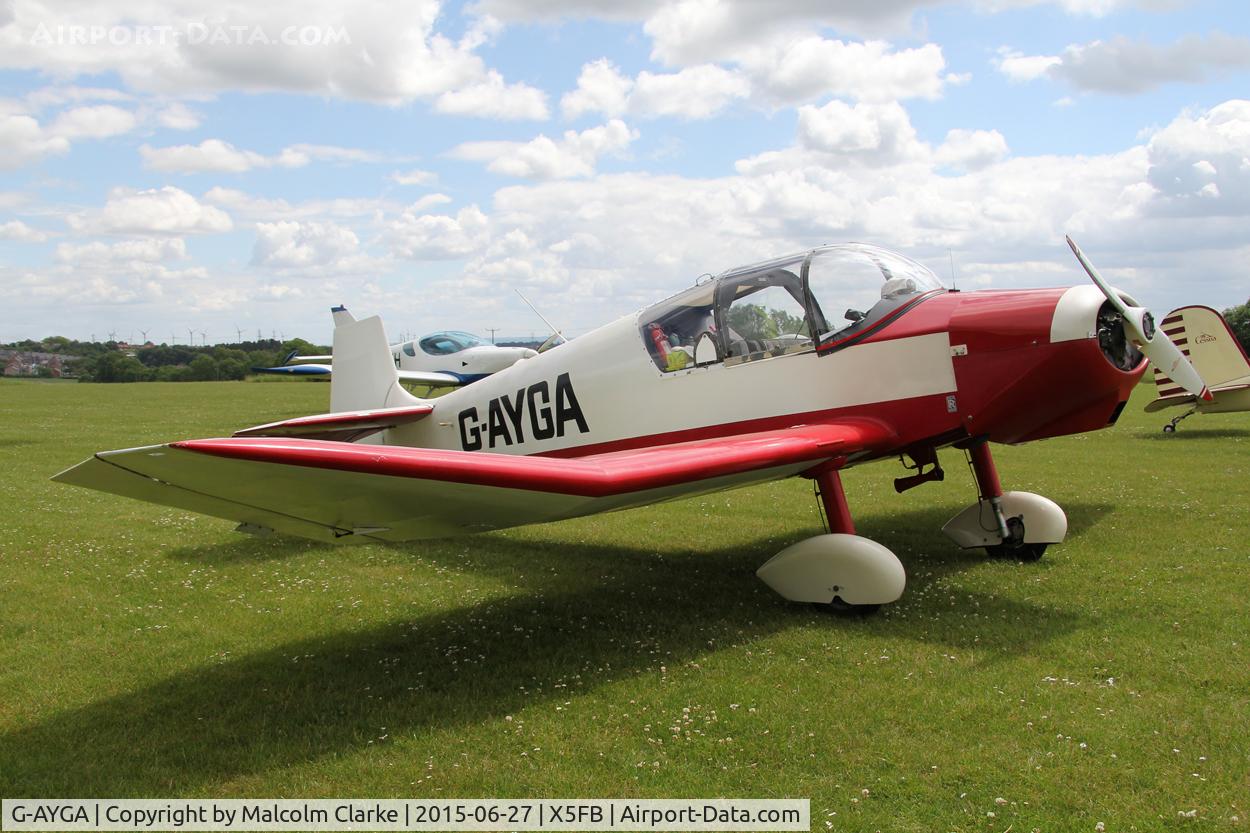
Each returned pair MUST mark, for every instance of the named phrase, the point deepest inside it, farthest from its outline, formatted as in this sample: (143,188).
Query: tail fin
(364,369)
(1204,336)
(341,315)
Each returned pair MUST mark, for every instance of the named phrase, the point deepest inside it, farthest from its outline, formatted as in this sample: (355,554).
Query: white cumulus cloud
(417,236)
(491,98)
(95,122)
(971,149)
(574,155)
(24,140)
(219,156)
(19,231)
(1129,67)
(143,250)
(166,210)
(291,244)
(697,92)
(370,50)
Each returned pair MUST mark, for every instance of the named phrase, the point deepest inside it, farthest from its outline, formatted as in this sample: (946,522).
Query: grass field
(149,652)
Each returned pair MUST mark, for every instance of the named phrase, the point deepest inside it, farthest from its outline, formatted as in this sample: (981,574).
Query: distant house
(27,363)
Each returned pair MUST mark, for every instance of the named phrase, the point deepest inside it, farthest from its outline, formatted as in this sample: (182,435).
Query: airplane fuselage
(1010,365)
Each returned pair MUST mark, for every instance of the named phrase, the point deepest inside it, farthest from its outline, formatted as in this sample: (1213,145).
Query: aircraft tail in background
(1204,336)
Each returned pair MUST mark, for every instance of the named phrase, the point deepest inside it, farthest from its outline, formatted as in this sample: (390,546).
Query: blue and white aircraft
(448,358)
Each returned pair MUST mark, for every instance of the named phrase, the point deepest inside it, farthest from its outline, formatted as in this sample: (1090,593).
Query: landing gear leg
(833,498)
(840,571)
(1019,524)
(1170,428)
(991,490)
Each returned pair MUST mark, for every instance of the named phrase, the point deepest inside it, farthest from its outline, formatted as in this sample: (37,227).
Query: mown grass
(150,652)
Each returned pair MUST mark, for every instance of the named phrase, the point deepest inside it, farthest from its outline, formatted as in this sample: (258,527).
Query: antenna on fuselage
(951,254)
(550,326)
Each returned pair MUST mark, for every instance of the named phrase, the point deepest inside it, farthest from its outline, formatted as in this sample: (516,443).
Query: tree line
(95,361)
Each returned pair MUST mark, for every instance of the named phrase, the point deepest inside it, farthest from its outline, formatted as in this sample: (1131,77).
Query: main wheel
(1020,552)
(841,608)
(1169,428)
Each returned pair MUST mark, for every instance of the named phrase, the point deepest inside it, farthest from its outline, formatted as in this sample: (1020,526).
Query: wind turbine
(203,338)
(144,333)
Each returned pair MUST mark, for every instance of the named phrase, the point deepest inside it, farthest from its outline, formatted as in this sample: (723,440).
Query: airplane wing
(422,377)
(338,491)
(429,377)
(297,370)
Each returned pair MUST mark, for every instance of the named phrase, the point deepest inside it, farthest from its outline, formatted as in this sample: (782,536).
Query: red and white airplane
(1210,345)
(804,365)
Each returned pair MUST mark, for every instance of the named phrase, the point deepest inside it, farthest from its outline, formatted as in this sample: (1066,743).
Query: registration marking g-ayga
(509,416)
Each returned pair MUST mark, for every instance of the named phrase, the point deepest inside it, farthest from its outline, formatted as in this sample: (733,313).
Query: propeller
(1139,327)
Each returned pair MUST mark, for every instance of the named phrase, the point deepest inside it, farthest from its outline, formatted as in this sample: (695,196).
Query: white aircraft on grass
(448,358)
(805,365)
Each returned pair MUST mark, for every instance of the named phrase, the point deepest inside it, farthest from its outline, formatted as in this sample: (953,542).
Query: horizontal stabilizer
(1223,402)
(344,427)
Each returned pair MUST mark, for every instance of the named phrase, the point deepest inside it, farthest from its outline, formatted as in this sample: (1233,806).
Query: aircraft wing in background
(421,377)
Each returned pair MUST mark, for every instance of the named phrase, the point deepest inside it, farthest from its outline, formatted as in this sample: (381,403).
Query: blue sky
(425,161)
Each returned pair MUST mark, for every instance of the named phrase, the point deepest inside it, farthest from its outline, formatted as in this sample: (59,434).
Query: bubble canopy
(449,341)
(814,299)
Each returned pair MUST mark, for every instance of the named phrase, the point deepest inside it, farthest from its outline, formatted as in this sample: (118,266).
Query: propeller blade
(1139,327)
(1173,364)
(1115,300)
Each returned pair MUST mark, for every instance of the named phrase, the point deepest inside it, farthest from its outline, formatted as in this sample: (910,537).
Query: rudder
(364,369)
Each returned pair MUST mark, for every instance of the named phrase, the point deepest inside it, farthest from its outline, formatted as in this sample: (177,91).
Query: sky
(200,171)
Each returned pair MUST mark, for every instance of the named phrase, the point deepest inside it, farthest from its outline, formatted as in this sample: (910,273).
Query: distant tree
(752,321)
(232,368)
(55,344)
(167,355)
(757,322)
(788,324)
(1238,319)
(113,366)
(302,346)
(173,373)
(204,369)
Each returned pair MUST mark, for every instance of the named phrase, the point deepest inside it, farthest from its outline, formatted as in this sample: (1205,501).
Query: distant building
(28,363)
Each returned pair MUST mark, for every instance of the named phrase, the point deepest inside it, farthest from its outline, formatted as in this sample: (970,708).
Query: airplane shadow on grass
(595,614)
(247,549)
(1185,432)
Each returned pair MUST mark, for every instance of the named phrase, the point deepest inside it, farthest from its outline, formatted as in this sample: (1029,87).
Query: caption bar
(405,814)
